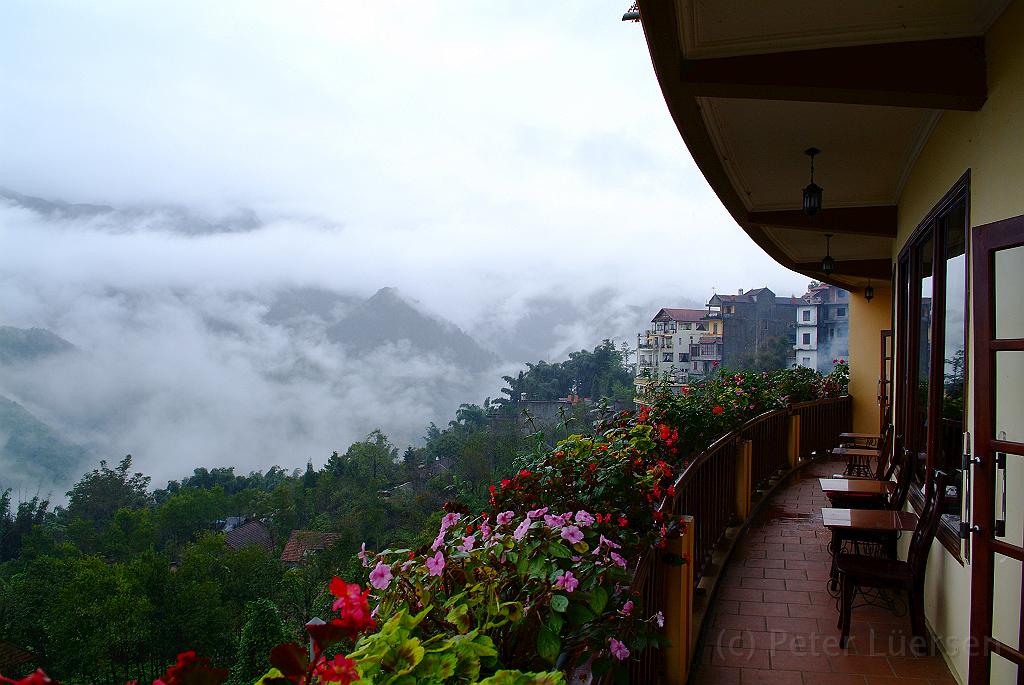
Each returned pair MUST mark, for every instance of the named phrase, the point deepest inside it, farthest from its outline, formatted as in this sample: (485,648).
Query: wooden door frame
(1004,234)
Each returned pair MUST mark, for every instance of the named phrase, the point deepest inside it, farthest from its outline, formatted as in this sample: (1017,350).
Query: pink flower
(449,520)
(603,541)
(435,564)
(619,650)
(584,518)
(618,559)
(504,518)
(627,608)
(573,534)
(537,513)
(362,555)
(567,581)
(659,618)
(438,541)
(485,530)
(380,576)
(521,529)
(467,543)
(553,521)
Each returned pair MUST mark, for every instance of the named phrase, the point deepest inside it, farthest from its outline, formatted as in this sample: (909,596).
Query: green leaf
(559,551)
(559,602)
(581,547)
(579,614)
(556,622)
(549,645)
(459,617)
(598,599)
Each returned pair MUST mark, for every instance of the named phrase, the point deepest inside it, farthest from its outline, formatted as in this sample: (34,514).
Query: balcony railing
(717,493)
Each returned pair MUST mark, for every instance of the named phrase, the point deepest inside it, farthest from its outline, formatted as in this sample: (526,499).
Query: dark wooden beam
(863,268)
(949,73)
(874,221)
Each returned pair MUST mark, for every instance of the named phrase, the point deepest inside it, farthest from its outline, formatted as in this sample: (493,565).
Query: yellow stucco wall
(866,320)
(991,144)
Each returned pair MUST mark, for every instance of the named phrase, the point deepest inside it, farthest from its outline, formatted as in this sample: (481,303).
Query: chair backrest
(927,526)
(886,456)
(905,464)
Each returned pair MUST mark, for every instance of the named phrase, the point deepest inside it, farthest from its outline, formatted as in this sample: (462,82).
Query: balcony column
(744,476)
(793,441)
(679,606)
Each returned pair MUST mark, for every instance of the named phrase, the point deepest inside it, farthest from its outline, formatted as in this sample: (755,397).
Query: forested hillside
(109,587)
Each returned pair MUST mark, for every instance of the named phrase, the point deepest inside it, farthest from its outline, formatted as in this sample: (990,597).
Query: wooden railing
(716,489)
(769,437)
(821,421)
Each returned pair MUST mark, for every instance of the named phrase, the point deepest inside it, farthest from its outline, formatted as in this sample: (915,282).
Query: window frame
(907,314)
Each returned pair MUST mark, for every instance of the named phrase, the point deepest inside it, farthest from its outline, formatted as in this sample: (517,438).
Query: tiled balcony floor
(772,620)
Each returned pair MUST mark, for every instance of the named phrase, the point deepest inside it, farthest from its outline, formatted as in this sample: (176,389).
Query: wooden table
(879,526)
(850,486)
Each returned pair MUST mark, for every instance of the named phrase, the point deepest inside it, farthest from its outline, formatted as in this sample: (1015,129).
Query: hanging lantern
(828,264)
(812,193)
(869,292)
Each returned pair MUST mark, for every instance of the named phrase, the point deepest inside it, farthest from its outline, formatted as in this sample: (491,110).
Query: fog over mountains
(159,332)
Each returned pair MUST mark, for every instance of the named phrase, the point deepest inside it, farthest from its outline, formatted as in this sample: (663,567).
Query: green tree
(262,631)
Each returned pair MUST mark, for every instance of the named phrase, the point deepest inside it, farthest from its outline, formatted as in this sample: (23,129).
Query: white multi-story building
(665,349)
(822,327)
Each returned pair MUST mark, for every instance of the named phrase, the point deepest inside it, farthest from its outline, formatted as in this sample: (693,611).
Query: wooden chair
(857,571)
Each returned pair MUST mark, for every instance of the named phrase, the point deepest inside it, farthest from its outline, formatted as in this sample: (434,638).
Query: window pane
(1009,279)
(950,438)
(922,365)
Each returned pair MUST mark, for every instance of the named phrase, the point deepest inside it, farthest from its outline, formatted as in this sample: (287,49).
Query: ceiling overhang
(751,85)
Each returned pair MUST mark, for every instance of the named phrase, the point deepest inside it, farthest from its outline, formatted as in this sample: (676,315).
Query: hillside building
(822,327)
(751,322)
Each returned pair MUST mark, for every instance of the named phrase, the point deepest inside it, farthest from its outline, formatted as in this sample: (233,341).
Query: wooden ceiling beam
(869,221)
(948,73)
(862,268)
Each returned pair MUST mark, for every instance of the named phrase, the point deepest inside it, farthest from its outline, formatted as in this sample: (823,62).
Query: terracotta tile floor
(772,620)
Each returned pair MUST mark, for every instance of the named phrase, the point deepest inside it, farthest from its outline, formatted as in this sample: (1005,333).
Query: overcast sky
(460,151)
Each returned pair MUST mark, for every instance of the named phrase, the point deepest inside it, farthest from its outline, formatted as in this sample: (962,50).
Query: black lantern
(828,265)
(812,193)
(869,292)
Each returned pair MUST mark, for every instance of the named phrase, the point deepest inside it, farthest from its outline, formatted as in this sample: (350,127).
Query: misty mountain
(168,218)
(29,344)
(308,305)
(388,317)
(32,454)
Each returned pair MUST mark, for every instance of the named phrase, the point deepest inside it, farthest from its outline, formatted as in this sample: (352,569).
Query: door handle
(1000,525)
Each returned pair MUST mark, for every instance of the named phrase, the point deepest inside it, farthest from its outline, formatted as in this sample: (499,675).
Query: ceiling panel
(866,150)
(721,28)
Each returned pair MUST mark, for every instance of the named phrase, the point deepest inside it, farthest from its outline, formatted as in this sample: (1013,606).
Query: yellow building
(917,112)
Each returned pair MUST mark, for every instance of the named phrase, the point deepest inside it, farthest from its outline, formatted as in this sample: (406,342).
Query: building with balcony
(822,327)
(750,322)
(666,349)
(915,112)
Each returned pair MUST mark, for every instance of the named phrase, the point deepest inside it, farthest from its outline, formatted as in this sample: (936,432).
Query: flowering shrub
(525,588)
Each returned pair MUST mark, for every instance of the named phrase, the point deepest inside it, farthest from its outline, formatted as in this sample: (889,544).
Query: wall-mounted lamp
(869,292)
(812,193)
(828,265)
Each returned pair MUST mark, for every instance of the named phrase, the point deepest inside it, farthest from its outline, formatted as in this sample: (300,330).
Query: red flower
(338,670)
(36,677)
(664,432)
(717,410)
(592,466)
(658,516)
(505,483)
(623,521)
(525,474)
(189,668)
(671,491)
(354,608)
